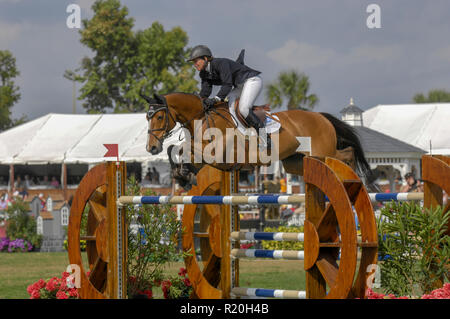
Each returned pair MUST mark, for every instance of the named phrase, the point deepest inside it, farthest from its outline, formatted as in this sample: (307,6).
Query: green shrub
(153,245)
(21,225)
(413,248)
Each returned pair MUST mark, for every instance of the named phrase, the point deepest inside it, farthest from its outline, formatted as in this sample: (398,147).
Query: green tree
(293,87)
(9,91)
(127,63)
(434,96)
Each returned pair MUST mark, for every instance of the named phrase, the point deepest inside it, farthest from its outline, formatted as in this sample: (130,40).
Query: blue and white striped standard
(268,293)
(243,235)
(218,200)
(274,254)
(385,197)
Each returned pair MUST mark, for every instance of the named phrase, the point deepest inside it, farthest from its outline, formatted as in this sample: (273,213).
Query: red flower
(61,295)
(65,275)
(51,286)
(182,272)
(31,288)
(149,293)
(40,284)
(187,282)
(165,285)
(35,295)
(73,292)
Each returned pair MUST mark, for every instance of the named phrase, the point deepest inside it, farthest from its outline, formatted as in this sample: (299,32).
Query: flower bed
(441,293)
(54,288)
(17,245)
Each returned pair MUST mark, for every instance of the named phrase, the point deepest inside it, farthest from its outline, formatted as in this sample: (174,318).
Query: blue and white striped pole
(268,293)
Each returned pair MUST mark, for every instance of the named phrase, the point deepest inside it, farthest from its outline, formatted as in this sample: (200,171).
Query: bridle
(152,110)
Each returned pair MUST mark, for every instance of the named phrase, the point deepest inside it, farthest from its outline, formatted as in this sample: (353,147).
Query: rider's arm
(226,78)
(206,86)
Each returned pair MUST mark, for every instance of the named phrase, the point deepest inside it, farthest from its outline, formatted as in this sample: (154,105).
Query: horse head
(160,122)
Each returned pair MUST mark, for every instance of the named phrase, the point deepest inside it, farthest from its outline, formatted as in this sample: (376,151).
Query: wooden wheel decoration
(436,176)
(91,198)
(330,230)
(368,243)
(205,282)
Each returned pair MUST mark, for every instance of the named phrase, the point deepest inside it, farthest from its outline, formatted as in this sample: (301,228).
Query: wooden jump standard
(103,185)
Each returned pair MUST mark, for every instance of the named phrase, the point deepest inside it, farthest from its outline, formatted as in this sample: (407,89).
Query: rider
(236,80)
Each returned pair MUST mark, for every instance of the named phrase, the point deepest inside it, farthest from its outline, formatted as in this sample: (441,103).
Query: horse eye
(160,117)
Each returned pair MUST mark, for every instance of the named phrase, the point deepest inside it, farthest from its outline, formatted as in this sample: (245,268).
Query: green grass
(19,270)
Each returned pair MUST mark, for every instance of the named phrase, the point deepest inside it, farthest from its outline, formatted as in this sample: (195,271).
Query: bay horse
(329,136)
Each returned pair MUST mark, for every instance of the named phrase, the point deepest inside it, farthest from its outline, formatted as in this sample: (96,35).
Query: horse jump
(103,185)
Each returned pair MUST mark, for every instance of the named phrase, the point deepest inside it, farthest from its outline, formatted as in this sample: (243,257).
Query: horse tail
(347,136)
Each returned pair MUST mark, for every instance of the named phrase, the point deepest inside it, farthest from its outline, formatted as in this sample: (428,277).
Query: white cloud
(304,55)
(9,32)
(371,53)
(442,54)
(301,55)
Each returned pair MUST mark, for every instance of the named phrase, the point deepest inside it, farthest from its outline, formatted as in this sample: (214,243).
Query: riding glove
(208,104)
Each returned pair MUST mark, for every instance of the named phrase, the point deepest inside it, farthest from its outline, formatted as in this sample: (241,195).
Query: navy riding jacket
(224,72)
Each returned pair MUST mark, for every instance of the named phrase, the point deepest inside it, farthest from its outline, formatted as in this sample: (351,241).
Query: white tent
(415,124)
(62,138)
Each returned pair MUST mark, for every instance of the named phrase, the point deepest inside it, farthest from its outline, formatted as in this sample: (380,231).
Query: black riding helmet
(199,51)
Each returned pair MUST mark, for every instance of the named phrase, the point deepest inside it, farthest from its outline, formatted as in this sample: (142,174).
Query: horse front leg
(183,172)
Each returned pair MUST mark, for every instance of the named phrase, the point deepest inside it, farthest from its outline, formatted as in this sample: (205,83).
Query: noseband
(153,109)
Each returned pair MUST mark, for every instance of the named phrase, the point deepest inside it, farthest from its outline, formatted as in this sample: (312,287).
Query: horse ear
(146,98)
(160,99)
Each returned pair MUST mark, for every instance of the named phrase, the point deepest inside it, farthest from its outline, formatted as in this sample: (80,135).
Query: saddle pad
(272,125)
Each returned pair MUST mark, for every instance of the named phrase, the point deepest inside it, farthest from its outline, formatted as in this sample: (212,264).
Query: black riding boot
(256,123)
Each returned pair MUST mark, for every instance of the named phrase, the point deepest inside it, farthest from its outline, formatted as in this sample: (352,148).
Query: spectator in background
(283,186)
(155,177)
(23,193)
(3,202)
(45,181)
(18,184)
(412,185)
(27,182)
(3,181)
(43,201)
(54,183)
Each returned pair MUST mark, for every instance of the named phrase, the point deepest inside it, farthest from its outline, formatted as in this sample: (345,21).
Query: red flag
(113,150)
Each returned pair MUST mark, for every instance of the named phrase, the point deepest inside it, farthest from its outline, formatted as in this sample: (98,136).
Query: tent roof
(58,138)
(415,124)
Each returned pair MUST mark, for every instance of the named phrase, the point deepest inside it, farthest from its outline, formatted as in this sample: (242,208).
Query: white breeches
(248,93)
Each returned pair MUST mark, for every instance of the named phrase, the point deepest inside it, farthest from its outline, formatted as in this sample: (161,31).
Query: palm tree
(294,87)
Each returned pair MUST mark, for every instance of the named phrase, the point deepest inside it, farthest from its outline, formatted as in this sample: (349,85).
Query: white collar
(208,67)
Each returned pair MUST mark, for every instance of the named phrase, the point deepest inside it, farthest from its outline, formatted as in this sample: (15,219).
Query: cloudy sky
(327,39)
